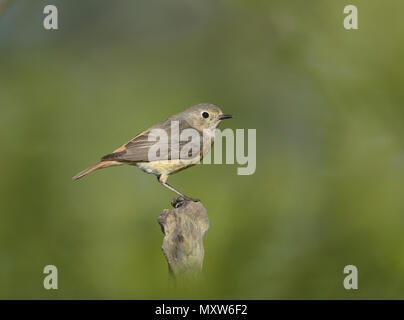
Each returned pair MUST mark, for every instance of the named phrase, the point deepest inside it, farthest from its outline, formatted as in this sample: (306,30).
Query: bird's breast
(166,166)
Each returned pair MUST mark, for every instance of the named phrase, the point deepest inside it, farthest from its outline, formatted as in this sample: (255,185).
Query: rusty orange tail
(97,166)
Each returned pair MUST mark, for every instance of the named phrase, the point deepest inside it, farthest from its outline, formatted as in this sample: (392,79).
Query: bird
(202,119)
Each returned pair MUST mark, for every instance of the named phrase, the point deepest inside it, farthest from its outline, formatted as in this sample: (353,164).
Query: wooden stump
(184,228)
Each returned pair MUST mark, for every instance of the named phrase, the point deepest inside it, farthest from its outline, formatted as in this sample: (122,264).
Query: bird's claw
(178,202)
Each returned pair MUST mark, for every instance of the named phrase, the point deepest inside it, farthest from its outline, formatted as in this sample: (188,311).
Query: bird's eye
(205,115)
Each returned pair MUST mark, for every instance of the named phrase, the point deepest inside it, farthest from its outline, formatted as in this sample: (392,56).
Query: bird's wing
(137,149)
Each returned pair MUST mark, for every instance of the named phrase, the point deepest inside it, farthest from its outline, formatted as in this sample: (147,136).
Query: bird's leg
(163,178)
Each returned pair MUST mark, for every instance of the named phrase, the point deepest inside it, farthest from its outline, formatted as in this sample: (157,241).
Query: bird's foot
(178,202)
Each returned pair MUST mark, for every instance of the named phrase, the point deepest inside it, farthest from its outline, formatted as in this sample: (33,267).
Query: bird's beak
(225,116)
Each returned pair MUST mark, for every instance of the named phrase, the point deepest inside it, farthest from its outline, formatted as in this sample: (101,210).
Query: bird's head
(205,116)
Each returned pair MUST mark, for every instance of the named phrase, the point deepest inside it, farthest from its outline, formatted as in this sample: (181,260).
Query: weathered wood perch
(184,228)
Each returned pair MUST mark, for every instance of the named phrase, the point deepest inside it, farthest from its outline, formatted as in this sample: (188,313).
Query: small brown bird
(202,118)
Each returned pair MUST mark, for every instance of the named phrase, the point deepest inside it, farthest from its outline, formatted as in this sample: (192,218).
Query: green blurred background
(327,105)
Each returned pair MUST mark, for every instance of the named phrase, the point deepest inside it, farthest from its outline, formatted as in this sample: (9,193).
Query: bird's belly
(166,166)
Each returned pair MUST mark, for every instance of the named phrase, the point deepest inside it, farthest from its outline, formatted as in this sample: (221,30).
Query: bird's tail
(99,165)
